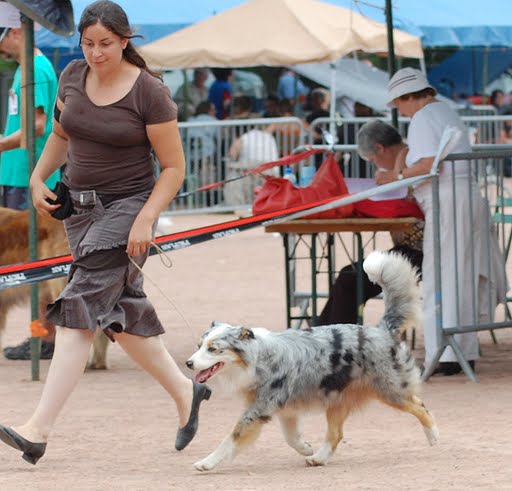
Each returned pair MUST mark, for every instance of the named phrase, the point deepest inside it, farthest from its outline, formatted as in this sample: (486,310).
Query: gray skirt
(104,290)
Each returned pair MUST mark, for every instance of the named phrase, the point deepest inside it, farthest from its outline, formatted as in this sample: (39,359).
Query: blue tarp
(465,36)
(463,72)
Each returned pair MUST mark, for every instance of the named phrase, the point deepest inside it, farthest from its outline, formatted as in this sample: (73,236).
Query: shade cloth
(276,33)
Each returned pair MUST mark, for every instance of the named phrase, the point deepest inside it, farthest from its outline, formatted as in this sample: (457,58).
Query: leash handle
(164,257)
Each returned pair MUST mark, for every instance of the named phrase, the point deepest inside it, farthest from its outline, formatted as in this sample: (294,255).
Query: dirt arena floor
(117,430)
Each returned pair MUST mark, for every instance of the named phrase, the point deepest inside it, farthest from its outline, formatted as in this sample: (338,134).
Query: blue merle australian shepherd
(334,368)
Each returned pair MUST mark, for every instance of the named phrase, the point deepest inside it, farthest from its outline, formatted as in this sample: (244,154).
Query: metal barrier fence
(469,264)
(216,150)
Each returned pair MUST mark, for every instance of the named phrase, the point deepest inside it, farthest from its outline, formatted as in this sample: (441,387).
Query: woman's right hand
(40,192)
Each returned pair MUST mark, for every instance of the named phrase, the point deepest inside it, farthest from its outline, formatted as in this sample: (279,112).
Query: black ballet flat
(186,434)
(32,452)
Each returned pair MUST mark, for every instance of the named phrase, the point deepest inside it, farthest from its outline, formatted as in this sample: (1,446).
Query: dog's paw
(432,434)
(315,461)
(321,456)
(305,449)
(96,365)
(204,465)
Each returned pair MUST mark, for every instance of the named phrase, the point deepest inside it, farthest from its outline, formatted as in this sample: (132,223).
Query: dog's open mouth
(204,375)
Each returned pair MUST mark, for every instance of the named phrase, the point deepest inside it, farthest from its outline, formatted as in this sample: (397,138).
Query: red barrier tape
(283,161)
(46,269)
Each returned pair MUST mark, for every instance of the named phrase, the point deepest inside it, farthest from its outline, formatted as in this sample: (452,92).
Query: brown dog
(14,248)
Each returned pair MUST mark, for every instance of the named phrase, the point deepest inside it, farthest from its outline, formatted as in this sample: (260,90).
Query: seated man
(191,94)
(381,144)
(253,148)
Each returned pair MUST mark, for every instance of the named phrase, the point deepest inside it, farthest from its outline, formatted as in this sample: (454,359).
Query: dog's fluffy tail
(399,281)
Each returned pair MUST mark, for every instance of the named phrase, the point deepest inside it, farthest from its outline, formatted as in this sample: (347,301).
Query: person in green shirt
(14,166)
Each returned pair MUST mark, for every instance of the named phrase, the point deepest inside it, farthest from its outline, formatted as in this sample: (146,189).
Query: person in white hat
(410,91)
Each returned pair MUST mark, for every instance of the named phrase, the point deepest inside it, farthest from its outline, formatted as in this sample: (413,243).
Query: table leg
(314,293)
(331,261)
(287,260)
(359,277)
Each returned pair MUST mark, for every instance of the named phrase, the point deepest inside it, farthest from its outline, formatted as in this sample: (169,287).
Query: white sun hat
(406,81)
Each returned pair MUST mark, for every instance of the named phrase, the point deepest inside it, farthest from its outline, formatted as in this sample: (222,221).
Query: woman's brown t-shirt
(108,148)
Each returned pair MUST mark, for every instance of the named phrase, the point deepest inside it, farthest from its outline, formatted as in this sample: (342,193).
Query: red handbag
(388,208)
(278,193)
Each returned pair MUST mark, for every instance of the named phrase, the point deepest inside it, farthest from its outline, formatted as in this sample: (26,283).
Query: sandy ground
(117,430)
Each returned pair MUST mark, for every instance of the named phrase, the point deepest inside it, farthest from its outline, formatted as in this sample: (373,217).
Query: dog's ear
(215,323)
(245,334)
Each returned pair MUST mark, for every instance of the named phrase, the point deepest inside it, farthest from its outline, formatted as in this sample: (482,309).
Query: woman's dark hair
(418,95)
(114,18)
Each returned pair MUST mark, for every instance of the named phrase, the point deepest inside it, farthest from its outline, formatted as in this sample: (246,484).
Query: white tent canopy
(354,78)
(275,33)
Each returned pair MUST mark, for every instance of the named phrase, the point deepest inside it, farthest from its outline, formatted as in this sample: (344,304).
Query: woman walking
(110,113)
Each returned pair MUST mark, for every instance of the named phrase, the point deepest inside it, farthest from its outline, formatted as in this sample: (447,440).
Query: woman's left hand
(141,235)
(383,176)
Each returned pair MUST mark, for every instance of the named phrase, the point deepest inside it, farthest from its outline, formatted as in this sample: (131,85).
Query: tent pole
(485,71)
(423,66)
(391,54)
(332,106)
(28,142)
(186,115)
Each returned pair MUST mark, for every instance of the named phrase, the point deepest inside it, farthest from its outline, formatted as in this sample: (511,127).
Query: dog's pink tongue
(203,375)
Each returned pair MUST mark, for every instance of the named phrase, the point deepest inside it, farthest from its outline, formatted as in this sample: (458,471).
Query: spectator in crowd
(319,103)
(290,87)
(221,92)
(204,136)
(288,134)
(319,100)
(242,108)
(14,165)
(499,101)
(271,107)
(346,134)
(189,95)
(253,148)
(203,144)
(381,144)
(461,239)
